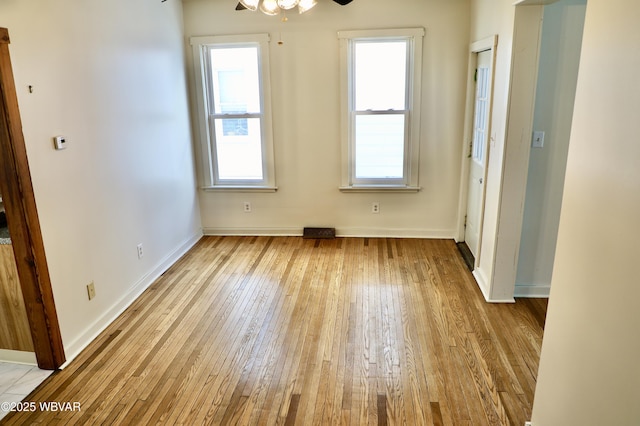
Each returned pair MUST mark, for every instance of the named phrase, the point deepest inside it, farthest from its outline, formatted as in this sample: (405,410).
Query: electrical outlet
(375,207)
(140,251)
(528,424)
(247,207)
(91,290)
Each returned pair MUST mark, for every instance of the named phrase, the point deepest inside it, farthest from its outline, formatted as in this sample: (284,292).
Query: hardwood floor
(281,330)
(14,325)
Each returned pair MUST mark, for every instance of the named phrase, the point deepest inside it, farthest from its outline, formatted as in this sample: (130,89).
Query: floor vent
(466,255)
(319,233)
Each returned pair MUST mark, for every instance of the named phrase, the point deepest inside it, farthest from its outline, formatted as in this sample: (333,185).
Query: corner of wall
(73,349)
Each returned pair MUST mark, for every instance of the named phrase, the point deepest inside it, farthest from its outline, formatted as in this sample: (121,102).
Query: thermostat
(60,142)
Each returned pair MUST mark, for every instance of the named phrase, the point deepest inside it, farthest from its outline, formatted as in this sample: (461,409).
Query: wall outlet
(528,424)
(91,290)
(140,251)
(247,207)
(375,207)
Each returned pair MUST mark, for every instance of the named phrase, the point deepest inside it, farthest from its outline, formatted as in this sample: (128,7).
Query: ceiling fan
(273,7)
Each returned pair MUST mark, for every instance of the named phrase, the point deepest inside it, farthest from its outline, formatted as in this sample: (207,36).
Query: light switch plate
(60,142)
(538,139)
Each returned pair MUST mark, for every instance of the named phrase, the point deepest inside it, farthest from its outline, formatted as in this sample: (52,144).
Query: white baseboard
(483,283)
(507,300)
(252,232)
(18,357)
(396,233)
(340,232)
(73,349)
(532,291)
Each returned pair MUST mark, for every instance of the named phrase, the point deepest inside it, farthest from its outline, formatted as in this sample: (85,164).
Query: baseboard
(93,331)
(532,291)
(508,300)
(395,233)
(340,232)
(483,283)
(18,357)
(251,232)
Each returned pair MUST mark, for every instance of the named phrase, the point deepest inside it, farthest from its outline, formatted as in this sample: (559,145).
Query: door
(478,151)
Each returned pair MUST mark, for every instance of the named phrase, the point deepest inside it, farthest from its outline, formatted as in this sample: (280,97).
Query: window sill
(238,188)
(379,188)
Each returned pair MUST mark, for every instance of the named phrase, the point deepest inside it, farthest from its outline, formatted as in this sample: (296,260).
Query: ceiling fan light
(250,4)
(269,7)
(288,4)
(305,5)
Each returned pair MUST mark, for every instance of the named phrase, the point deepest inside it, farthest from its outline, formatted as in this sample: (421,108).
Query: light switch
(60,142)
(538,139)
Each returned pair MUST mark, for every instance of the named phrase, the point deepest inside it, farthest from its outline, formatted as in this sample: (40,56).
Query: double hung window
(234,111)
(381,72)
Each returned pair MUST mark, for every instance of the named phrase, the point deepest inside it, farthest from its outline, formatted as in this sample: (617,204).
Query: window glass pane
(236,80)
(379,146)
(235,127)
(481,114)
(380,75)
(239,155)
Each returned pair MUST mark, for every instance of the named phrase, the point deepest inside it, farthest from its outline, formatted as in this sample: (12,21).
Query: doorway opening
(23,224)
(476,149)
(559,60)
(496,268)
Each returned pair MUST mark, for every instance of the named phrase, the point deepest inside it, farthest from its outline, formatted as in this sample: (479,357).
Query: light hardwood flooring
(14,326)
(281,330)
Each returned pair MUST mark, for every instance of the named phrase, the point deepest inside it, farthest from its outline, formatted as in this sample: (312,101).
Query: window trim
(347,92)
(208,179)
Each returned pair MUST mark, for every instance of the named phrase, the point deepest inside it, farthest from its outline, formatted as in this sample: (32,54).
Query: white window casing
(392,173)
(253,125)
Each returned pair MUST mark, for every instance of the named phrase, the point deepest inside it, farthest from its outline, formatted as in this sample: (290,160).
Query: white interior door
(478,154)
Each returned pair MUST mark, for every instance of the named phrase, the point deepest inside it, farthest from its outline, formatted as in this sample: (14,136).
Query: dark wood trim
(4,36)
(24,226)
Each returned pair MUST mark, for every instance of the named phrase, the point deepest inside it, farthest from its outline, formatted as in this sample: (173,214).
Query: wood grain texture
(24,226)
(14,327)
(283,330)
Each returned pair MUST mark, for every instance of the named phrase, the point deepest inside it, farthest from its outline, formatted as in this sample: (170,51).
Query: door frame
(24,226)
(488,43)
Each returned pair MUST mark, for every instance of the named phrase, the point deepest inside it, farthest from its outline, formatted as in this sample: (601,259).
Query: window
(234,112)
(481,115)
(381,72)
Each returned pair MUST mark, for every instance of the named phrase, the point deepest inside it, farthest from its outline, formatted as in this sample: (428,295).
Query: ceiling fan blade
(240,7)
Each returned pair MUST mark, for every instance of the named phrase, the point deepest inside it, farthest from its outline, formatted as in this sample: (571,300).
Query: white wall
(589,371)
(498,17)
(557,75)
(519,30)
(306,103)
(110,77)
